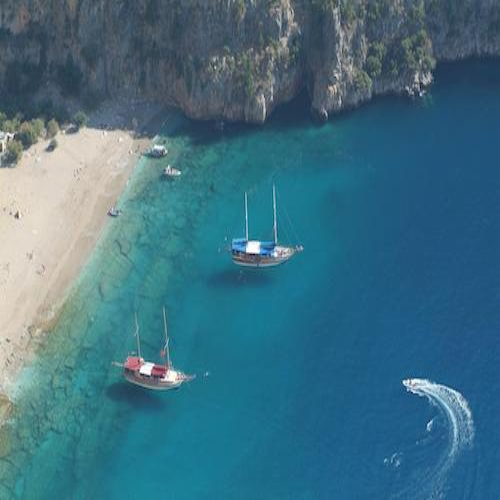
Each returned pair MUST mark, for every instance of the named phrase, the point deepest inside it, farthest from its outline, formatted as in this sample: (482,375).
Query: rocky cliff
(237,59)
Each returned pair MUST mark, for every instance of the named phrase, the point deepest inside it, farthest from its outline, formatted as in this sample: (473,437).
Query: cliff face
(238,59)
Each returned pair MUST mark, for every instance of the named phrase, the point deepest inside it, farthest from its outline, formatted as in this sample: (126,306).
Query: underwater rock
(5,442)
(5,408)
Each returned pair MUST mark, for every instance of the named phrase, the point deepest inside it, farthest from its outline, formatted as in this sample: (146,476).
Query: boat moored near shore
(170,171)
(115,212)
(157,151)
(150,375)
(256,253)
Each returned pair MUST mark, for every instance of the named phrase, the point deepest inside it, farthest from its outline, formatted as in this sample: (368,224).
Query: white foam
(458,415)
(454,406)
(430,425)
(395,460)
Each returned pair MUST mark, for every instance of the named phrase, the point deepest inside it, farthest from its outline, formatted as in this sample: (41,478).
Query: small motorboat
(410,383)
(158,151)
(170,171)
(115,212)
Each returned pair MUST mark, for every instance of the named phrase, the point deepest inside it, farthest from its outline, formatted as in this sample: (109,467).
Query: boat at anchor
(256,253)
(115,212)
(170,171)
(157,151)
(150,375)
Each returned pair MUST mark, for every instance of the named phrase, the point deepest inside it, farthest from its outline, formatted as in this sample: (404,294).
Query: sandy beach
(53,208)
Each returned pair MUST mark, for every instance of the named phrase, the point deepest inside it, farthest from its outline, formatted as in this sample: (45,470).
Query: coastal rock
(239,59)
(320,114)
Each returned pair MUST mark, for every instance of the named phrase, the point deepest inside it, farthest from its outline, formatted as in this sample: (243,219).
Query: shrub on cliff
(347,11)
(27,134)
(80,119)
(14,152)
(295,50)
(323,6)
(362,82)
(247,80)
(52,145)
(375,59)
(12,125)
(409,55)
(415,55)
(38,127)
(416,15)
(239,10)
(375,12)
(52,128)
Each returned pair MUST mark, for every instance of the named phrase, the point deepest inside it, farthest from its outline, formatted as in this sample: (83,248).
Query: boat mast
(246,217)
(166,339)
(137,336)
(275,224)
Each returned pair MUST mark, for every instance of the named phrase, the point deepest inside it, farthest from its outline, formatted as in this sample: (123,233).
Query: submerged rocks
(5,408)
(5,442)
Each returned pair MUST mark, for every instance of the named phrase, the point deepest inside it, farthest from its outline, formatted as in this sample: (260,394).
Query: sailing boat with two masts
(151,375)
(256,253)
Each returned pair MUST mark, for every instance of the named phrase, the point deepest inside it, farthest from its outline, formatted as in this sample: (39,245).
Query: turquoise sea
(299,390)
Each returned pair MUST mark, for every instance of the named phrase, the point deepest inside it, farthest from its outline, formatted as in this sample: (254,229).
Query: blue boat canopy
(252,247)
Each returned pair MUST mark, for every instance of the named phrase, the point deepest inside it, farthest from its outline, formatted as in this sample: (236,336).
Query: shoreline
(62,198)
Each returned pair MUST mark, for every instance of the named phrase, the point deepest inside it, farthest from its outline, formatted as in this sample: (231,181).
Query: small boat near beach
(256,253)
(115,212)
(157,151)
(150,375)
(170,171)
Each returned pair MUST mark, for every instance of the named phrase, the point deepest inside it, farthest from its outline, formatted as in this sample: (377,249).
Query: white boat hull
(259,264)
(160,386)
(283,254)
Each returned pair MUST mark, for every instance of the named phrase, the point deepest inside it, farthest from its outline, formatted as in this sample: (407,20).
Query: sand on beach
(62,198)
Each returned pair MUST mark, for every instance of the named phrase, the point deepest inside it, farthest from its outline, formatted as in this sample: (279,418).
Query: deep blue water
(299,369)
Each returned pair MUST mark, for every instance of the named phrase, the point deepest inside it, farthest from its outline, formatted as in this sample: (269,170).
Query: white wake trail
(457,412)
(455,407)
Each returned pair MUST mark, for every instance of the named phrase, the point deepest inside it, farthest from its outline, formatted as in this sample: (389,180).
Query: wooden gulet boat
(150,375)
(256,253)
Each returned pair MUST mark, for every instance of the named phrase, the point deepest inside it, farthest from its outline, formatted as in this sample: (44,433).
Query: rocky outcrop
(237,59)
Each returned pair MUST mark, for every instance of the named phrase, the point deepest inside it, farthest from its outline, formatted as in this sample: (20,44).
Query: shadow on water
(238,277)
(135,396)
(294,114)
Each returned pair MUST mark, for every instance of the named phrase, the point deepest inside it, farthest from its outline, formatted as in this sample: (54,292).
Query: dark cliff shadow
(144,119)
(135,396)
(294,114)
(470,70)
(236,278)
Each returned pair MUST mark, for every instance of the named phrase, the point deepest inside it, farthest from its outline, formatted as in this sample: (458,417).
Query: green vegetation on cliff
(408,51)
(235,59)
